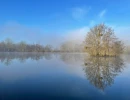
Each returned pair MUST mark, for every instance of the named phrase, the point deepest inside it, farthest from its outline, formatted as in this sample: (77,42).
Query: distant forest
(69,46)
(9,46)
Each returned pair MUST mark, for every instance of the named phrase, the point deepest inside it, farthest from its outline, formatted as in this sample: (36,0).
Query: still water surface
(63,76)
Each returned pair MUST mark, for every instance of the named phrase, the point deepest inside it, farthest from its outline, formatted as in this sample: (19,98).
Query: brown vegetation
(101,41)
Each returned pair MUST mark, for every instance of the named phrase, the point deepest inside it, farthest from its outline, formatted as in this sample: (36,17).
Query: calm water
(64,76)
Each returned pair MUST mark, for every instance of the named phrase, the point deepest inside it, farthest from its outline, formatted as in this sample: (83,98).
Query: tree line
(9,46)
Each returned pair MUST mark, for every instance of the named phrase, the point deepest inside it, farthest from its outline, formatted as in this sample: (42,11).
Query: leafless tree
(101,41)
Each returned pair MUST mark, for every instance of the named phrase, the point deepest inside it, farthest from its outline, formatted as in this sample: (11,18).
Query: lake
(63,76)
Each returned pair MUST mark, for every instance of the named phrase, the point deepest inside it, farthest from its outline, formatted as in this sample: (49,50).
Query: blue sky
(38,20)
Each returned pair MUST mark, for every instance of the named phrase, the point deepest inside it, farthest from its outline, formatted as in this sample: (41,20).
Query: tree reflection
(7,58)
(101,71)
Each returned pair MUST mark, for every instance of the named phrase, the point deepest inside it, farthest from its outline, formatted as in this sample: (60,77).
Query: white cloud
(80,13)
(102,13)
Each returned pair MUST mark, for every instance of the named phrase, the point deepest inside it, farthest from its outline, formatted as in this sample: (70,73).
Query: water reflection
(7,58)
(101,71)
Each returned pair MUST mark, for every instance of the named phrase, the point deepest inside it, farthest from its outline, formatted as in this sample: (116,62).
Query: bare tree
(101,41)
